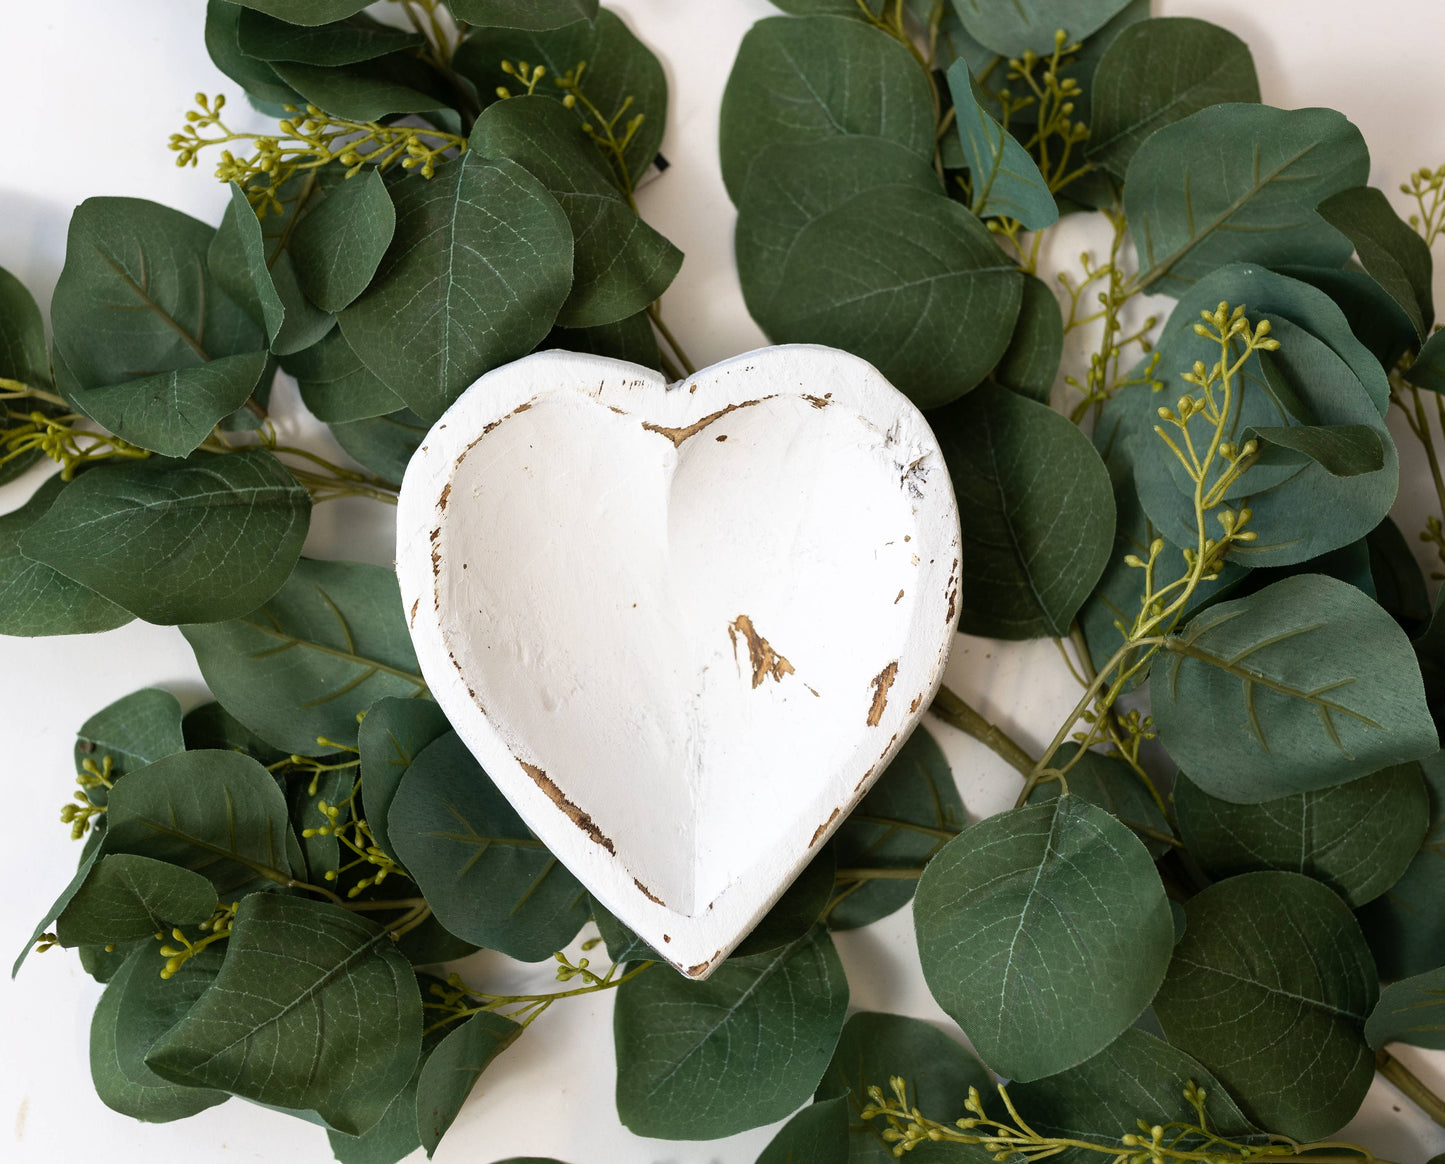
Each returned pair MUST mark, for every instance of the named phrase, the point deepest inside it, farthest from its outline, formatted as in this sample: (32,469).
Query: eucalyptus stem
(1410,1086)
(952,709)
(654,313)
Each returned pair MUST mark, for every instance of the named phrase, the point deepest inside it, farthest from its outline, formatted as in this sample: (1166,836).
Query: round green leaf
(339,245)
(137,1008)
(307,12)
(197,540)
(700,1060)
(1392,253)
(211,726)
(799,79)
(1406,926)
(1397,578)
(1303,685)
(527,14)
(390,737)
(383,444)
(38,600)
(1110,783)
(450,1071)
(330,643)
(1267,169)
(136,730)
(1284,951)
(629,339)
(256,77)
(1038,509)
(1412,1011)
(343,42)
(1158,72)
(478,269)
(1044,933)
(1358,838)
(1011,29)
(335,384)
(313,1009)
(24,356)
(907,279)
(818,1132)
(797,911)
(911,810)
(1031,361)
(128,897)
(369,90)
(485,876)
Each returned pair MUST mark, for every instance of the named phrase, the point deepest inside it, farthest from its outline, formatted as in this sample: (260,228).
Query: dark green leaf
(1358,838)
(313,1009)
(1406,927)
(1377,320)
(383,444)
(87,862)
(103,963)
(453,1068)
(1040,509)
(305,796)
(907,279)
(619,67)
(128,897)
(1157,72)
(336,385)
(1428,370)
(527,14)
(1341,450)
(1110,783)
(1412,1011)
(1011,29)
(629,339)
(621,943)
(1317,684)
(329,644)
(24,357)
(903,820)
(307,12)
(1399,584)
(177,541)
(875,1047)
(700,1060)
(1005,181)
(1391,252)
(797,911)
(369,90)
(211,726)
(798,80)
(1031,362)
(137,1008)
(1284,950)
(38,600)
(1135,1077)
(1085,890)
(343,42)
(1240,182)
(257,78)
(479,267)
(339,245)
(620,264)
(486,877)
(391,735)
(817,1133)
(217,813)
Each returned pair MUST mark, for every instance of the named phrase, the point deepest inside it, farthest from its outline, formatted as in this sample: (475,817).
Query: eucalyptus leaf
(1006,183)
(449,1073)
(335,385)
(485,876)
(1031,362)
(1057,871)
(1021,25)
(330,643)
(1342,450)
(875,1047)
(211,726)
(1024,474)
(818,1132)
(620,264)
(1412,1011)
(128,897)
(1428,370)
(700,1060)
(631,339)
(1392,253)
(307,12)
(384,444)
(1253,201)
(1316,684)
(256,77)
(1135,1077)
(621,943)
(1157,72)
(902,821)
(1284,950)
(137,1008)
(1399,584)
(1376,319)
(799,79)
(622,77)
(338,246)
(1110,783)
(313,1009)
(390,737)
(907,279)
(1358,838)
(1406,926)
(216,813)
(202,539)
(342,42)
(36,599)
(321,851)
(800,907)
(88,857)
(369,90)
(24,357)
(525,14)
(480,264)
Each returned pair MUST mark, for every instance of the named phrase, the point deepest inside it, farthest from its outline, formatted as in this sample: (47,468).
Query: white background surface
(90,92)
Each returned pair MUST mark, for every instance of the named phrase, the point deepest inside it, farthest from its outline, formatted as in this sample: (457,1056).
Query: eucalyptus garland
(1220,895)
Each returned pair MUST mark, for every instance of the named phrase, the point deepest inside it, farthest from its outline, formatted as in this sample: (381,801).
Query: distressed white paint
(595,565)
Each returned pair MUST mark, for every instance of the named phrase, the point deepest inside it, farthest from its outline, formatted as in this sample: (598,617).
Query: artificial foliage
(1220,896)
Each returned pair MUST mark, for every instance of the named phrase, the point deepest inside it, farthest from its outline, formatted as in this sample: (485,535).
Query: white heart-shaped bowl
(682,627)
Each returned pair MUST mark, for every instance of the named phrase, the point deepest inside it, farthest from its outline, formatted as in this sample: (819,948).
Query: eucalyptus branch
(1410,1086)
(950,708)
(457,1000)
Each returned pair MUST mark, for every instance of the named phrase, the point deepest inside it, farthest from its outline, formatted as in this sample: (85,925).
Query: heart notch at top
(683,627)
